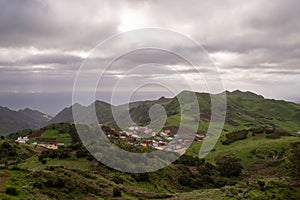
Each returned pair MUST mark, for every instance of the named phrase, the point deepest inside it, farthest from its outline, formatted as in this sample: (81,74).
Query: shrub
(143,177)
(229,166)
(117,192)
(38,185)
(184,180)
(234,136)
(43,161)
(118,179)
(11,191)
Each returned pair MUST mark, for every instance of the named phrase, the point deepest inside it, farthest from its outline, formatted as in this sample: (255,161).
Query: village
(140,136)
(167,139)
(49,143)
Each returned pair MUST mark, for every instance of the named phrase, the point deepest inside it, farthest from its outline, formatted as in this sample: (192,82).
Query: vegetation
(229,166)
(234,136)
(294,159)
(257,157)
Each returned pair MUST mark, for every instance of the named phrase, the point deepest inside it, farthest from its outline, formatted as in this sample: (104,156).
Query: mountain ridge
(242,108)
(11,120)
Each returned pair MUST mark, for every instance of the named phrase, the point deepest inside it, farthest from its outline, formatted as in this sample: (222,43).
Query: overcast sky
(254,44)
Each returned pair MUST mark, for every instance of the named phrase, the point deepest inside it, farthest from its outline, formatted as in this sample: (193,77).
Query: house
(129,133)
(159,148)
(199,138)
(135,136)
(133,128)
(49,146)
(148,131)
(144,144)
(22,139)
(61,144)
(163,134)
(148,141)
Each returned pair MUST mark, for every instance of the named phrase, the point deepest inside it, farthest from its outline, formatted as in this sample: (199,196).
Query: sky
(254,45)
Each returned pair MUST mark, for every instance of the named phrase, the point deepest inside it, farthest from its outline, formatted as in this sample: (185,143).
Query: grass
(243,148)
(61,137)
(34,164)
(50,134)
(20,181)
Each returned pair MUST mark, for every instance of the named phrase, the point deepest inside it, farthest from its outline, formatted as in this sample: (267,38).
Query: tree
(229,166)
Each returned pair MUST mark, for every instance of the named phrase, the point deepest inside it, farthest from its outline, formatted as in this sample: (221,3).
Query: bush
(184,180)
(229,166)
(143,177)
(234,136)
(277,134)
(118,179)
(117,192)
(38,185)
(43,161)
(11,191)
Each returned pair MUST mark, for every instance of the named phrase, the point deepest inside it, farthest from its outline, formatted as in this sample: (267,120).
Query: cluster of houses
(147,137)
(134,135)
(49,143)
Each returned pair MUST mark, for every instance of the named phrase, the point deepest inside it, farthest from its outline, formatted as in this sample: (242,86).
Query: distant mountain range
(244,109)
(11,121)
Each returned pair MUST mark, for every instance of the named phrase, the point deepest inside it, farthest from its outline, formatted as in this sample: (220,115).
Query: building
(22,139)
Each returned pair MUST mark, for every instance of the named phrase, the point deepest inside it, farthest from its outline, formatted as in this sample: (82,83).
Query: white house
(22,139)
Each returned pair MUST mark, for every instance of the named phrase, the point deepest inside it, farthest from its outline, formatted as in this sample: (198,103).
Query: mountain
(11,121)
(65,115)
(103,112)
(244,109)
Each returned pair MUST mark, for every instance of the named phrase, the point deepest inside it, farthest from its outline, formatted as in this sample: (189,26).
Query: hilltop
(244,109)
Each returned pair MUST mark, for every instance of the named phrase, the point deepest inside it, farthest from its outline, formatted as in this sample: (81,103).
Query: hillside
(70,172)
(11,121)
(244,109)
(256,157)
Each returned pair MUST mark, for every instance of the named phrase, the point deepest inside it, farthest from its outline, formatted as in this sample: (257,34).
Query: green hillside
(256,157)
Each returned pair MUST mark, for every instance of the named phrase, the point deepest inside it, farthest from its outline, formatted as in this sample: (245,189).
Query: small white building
(135,136)
(22,139)
(133,128)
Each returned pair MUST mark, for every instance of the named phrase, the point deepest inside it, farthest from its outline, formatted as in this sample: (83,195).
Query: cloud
(253,43)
